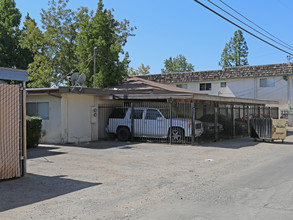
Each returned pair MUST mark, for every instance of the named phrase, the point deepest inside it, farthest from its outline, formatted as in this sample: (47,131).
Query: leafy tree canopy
(11,55)
(66,43)
(177,64)
(141,70)
(235,52)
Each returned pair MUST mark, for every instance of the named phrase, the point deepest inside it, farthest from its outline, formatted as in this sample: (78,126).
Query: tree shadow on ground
(43,151)
(35,188)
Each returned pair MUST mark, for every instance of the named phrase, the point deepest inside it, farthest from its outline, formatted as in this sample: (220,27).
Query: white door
(139,127)
(155,123)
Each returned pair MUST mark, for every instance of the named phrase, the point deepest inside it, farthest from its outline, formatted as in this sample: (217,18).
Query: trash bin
(279,129)
(268,129)
(261,128)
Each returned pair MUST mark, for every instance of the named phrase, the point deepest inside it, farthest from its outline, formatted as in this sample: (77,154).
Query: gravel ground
(114,180)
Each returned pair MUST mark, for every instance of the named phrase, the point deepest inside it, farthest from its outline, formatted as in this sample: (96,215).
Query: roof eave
(13,74)
(195,98)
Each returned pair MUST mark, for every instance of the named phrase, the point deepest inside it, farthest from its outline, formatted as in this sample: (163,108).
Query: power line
(290,48)
(242,28)
(88,60)
(255,24)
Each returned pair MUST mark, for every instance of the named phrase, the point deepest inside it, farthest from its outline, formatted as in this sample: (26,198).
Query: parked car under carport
(224,125)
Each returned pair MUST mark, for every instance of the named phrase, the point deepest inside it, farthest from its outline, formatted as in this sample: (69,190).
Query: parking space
(123,180)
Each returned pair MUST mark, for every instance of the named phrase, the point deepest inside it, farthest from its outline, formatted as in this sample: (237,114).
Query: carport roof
(138,84)
(140,89)
(197,98)
(137,88)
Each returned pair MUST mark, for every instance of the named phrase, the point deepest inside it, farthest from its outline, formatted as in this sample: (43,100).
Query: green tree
(26,56)
(235,52)
(54,48)
(66,43)
(141,70)
(177,64)
(11,54)
(108,36)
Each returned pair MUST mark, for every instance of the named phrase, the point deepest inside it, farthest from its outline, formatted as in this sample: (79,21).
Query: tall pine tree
(235,52)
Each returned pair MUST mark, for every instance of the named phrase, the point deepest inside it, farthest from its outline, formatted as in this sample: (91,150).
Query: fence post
(233,120)
(248,122)
(21,118)
(24,133)
(170,135)
(192,124)
(239,111)
(243,113)
(132,122)
(258,111)
(216,108)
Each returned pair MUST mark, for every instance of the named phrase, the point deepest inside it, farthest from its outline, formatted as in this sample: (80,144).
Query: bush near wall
(33,130)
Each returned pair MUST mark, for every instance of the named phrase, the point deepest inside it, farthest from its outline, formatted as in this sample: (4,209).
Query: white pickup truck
(150,122)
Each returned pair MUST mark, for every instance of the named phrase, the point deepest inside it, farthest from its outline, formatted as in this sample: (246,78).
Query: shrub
(33,130)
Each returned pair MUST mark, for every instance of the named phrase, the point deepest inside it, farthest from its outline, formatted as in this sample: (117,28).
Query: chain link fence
(10,131)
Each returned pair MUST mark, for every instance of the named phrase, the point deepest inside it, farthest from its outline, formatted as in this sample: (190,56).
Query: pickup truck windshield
(152,114)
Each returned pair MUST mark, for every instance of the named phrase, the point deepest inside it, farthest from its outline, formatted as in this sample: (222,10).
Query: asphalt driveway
(235,179)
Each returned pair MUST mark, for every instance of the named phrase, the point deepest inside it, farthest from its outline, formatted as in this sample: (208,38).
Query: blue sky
(170,27)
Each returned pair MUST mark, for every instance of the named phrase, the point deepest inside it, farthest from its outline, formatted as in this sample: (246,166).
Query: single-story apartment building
(68,117)
(262,82)
(72,116)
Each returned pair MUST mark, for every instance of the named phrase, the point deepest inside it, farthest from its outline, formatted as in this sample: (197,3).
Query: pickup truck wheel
(177,135)
(123,134)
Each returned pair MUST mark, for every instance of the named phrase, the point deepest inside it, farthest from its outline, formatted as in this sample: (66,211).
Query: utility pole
(95,79)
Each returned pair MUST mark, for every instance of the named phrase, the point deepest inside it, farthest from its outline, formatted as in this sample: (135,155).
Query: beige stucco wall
(51,129)
(78,121)
(75,111)
(70,117)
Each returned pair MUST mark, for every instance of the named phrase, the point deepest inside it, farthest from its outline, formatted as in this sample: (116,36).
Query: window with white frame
(40,109)
(184,86)
(205,86)
(267,82)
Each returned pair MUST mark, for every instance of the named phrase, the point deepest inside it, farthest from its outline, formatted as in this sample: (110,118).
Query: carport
(228,112)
